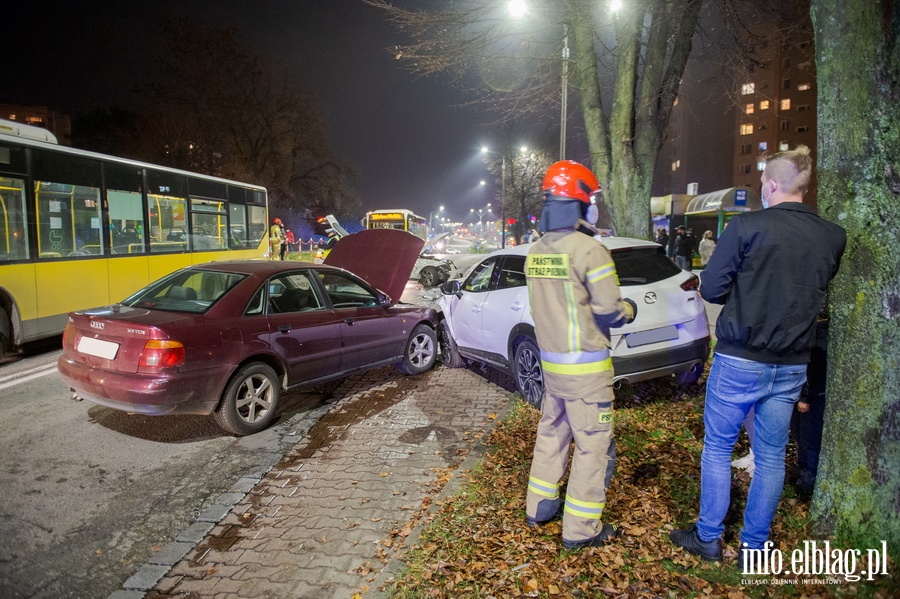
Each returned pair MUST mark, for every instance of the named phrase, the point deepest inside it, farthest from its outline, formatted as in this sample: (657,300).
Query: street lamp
(518,9)
(431,216)
(481,212)
(485,150)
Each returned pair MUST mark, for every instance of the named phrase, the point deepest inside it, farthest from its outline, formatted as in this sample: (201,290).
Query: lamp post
(481,212)
(518,9)
(485,150)
(431,216)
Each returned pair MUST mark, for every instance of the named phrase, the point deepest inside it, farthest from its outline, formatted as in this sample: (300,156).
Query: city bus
(401,219)
(80,229)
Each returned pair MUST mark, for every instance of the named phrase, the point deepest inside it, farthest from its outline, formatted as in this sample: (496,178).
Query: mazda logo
(96,325)
(649,298)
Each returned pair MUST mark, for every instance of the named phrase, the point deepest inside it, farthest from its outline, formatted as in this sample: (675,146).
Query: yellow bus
(80,229)
(400,218)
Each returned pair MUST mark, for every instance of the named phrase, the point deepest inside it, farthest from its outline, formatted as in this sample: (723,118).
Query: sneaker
(745,462)
(607,533)
(689,540)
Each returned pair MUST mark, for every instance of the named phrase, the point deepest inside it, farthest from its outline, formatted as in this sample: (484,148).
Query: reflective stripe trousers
(590,425)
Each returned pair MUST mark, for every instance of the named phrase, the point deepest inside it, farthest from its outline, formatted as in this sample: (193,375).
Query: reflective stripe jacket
(575,300)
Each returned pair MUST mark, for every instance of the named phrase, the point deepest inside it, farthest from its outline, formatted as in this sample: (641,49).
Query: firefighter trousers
(590,425)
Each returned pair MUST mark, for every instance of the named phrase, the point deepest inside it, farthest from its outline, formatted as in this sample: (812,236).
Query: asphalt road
(87,493)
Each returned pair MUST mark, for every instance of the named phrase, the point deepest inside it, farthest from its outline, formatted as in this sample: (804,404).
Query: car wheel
(250,400)
(428,277)
(528,372)
(449,350)
(421,351)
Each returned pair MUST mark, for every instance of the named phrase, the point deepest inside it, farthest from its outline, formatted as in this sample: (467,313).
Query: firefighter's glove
(631,310)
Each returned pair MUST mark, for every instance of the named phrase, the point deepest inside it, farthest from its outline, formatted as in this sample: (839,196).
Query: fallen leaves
(477,545)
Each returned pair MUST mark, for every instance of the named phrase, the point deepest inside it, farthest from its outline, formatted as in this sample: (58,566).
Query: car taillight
(68,333)
(159,353)
(692,284)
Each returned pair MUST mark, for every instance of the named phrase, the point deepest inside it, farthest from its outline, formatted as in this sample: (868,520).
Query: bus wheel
(5,333)
(429,276)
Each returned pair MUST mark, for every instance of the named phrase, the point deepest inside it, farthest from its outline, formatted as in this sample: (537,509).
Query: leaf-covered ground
(477,545)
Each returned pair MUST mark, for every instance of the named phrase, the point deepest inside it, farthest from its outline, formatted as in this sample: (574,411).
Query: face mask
(764,197)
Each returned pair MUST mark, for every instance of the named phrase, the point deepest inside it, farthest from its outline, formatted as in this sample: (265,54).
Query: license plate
(652,336)
(97,347)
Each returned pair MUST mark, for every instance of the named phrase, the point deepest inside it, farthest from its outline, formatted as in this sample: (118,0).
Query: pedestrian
(276,239)
(810,415)
(575,300)
(662,238)
(683,249)
(770,271)
(288,239)
(707,245)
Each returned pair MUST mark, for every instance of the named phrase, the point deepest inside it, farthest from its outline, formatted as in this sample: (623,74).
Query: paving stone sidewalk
(332,517)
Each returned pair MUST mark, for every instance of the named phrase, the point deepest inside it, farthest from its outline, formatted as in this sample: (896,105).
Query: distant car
(486,318)
(453,251)
(226,338)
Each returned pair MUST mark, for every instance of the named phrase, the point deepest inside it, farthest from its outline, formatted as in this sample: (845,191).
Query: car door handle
(517,306)
(476,309)
(350,321)
(285,328)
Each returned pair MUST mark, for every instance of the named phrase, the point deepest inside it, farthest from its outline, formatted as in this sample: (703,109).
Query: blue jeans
(734,386)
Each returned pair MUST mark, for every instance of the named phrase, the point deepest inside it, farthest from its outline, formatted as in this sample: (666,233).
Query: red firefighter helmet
(277,221)
(570,179)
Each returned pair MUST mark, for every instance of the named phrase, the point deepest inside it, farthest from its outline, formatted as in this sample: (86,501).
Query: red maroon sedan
(228,337)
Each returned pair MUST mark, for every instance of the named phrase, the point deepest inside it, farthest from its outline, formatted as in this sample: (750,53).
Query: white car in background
(487,318)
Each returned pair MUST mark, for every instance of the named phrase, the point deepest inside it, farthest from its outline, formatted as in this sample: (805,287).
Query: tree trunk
(857,495)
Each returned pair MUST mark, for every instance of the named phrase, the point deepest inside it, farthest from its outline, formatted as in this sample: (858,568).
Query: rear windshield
(188,290)
(641,266)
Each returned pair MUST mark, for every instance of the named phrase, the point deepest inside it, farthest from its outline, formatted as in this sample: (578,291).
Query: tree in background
(644,44)
(857,495)
(218,109)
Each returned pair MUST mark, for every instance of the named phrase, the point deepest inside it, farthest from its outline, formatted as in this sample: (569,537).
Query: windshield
(187,290)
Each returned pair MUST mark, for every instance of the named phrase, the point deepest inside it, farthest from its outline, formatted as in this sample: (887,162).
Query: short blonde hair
(791,169)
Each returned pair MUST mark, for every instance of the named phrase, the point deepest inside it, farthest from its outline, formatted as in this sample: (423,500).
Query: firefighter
(276,238)
(575,300)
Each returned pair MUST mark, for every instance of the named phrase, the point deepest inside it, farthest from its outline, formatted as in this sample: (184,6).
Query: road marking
(28,375)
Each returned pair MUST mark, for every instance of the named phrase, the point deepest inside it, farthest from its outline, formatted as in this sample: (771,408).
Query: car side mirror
(451,288)
(384,299)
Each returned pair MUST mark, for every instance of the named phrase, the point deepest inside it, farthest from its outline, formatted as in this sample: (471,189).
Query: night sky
(412,144)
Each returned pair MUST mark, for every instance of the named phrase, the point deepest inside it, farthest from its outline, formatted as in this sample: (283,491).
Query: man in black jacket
(770,271)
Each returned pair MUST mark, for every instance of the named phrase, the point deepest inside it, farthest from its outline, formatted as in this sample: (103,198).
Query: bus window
(126,213)
(208,222)
(67,194)
(167,212)
(258,226)
(13,240)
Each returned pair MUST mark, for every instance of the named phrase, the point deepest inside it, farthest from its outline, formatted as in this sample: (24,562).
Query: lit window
(763,146)
(786,104)
(748,88)
(34,119)
(747,129)
(763,104)
(748,109)
(12,117)
(674,166)
(783,146)
(761,165)
(804,87)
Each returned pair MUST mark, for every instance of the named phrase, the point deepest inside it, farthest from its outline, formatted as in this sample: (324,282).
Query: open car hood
(382,257)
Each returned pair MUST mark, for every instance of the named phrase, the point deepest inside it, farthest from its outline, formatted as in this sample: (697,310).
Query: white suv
(487,318)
